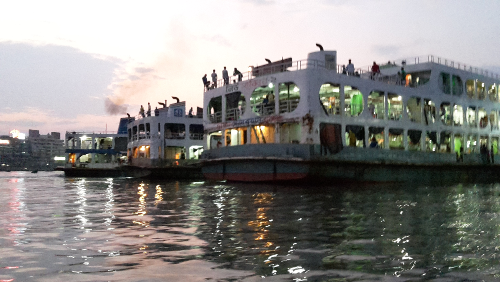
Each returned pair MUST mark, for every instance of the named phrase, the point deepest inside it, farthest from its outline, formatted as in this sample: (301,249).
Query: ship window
(481,90)
(236,136)
(395,106)
(134,132)
(196,131)
(431,141)
(414,137)
(175,131)
(262,134)
(469,86)
(289,95)
(456,85)
(494,120)
(458,146)
(159,129)
(353,101)
(429,112)
(376,104)
(471,116)
(414,109)
(396,139)
(329,97)
(378,134)
(136,152)
(174,152)
(262,100)
(214,140)
(494,145)
(235,105)
(492,93)
(482,117)
(458,115)
(129,134)
(445,140)
(417,79)
(445,113)
(148,130)
(471,147)
(143,152)
(290,133)
(355,136)
(195,152)
(214,109)
(444,82)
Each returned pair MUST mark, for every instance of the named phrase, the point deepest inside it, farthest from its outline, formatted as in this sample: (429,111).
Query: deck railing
(363,72)
(437,60)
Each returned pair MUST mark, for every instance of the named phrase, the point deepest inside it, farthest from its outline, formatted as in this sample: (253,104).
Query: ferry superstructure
(96,154)
(167,142)
(425,118)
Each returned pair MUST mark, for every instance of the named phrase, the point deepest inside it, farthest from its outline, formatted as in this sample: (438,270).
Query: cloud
(59,79)
(387,50)
(219,39)
(260,2)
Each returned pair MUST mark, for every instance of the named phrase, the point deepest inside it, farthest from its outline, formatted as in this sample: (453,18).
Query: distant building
(36,152)
(45,147)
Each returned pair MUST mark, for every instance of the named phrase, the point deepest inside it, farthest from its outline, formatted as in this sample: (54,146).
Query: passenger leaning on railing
(205,82)
(238,73)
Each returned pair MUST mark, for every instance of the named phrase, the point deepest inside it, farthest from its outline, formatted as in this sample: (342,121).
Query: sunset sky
(62,62)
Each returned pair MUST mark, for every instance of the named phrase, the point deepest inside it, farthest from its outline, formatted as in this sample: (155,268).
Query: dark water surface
(81,229)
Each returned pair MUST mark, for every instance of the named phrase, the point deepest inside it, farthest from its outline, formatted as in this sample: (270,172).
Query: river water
(54,228)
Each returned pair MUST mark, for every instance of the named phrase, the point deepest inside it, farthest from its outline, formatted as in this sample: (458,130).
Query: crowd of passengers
(144,114)
(375,71)
(225,77)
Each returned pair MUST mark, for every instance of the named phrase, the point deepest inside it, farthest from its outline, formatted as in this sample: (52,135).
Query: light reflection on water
(56,229)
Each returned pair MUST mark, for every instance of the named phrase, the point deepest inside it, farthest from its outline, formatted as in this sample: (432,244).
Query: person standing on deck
(375,70)
(149,110)
(238,73)
(225,76)
(205,83)
(214,79)
(141,111)
(350,68)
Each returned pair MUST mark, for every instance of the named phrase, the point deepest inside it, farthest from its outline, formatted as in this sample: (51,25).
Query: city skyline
(68,66)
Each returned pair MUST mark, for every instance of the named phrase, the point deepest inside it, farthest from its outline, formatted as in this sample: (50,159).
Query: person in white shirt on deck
(350,68)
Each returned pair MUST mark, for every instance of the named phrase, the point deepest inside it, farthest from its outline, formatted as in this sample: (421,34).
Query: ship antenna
(320,47)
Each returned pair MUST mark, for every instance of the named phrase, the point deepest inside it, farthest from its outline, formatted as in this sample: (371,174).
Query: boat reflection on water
(118,229)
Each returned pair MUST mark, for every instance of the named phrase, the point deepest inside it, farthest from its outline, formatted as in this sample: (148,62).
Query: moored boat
(96,154)
(166,142)
(423,120)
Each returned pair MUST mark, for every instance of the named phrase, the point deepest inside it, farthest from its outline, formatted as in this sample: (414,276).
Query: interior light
(295,89)
(271,85)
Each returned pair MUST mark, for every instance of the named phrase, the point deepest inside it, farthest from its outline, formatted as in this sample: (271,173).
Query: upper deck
(294,88)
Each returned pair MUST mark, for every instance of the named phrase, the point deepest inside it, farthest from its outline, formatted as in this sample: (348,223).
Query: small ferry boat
(96,154)
(166,142)
(420,120)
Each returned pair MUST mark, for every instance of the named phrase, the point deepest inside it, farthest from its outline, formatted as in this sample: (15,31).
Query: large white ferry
(424,119)
(166,142)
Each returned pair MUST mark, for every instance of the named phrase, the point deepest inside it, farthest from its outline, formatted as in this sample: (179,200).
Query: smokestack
(175,99)
(320,47)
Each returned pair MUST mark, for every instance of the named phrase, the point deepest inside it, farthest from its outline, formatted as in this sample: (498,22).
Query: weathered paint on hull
(258,170)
